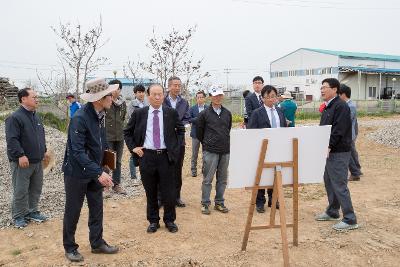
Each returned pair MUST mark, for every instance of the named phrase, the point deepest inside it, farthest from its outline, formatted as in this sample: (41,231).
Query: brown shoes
(119,190)
(354,178)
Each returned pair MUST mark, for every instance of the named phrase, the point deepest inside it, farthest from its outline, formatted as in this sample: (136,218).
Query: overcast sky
(244,35)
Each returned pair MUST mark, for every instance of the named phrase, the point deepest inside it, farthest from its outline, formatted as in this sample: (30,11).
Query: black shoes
(74,256)
(153,227)
(105,249)
(270,203)
(260,209)
(172,227)
(180,203)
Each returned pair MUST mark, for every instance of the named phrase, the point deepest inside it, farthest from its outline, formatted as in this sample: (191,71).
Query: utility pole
(227,71)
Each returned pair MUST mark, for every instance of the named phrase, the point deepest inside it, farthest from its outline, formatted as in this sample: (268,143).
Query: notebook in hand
(110,159)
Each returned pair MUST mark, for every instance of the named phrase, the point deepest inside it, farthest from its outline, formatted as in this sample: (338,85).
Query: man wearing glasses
(267,116)
(254,100)
(26,148)
(337,114)
(83,171)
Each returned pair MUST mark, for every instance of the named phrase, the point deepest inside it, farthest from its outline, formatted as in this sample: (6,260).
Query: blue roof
(373,70)
(128,81)
(357,55)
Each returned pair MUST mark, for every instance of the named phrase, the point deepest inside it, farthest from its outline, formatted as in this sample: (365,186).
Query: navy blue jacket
(260,120)
(25,136)
(194,113)
(85,145)
(252,103)
(182,107)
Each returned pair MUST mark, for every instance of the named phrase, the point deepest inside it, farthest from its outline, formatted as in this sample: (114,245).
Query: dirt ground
(215,240)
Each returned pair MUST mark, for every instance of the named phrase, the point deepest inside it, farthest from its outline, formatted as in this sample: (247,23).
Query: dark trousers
(354,163)
(260,200)
(75,192)
(178,171)
(27,187)
(335,178)
(117,146)
(157,173)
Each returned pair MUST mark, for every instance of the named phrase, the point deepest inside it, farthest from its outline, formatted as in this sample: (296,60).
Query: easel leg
(295,192)
(249,219)
(274,200)
(282,214)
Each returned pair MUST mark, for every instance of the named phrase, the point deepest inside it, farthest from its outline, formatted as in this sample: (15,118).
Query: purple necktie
(260,100)
(156,130)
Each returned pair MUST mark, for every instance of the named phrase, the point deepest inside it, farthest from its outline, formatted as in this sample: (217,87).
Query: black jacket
(85,145)
(25,136)
(135,131)
(213,130)
(337,114)
(252,103)
(260,120)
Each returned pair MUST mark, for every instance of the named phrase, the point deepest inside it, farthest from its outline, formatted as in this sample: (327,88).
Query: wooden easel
(277,195)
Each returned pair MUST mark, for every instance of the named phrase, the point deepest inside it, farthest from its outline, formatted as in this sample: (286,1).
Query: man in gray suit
(354,164)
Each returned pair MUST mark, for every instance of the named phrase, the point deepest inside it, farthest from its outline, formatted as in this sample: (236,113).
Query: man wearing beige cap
(83,172)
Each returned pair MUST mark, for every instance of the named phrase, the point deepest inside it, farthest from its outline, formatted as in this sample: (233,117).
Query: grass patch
(237,118)
(16,252)
(51,120)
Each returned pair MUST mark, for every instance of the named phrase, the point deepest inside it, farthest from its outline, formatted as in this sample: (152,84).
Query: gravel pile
(388,133)
(53,196)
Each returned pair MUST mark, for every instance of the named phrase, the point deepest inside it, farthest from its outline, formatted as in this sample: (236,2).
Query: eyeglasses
(325,87)
(258,83)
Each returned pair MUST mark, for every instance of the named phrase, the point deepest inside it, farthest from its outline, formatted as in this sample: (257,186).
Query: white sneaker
(342,226)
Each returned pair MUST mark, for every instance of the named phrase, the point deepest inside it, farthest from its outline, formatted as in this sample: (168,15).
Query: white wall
(303,59)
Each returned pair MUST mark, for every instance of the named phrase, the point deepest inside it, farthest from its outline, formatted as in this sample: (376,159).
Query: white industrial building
(370,76)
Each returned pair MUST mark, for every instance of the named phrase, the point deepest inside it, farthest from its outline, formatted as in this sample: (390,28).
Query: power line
(328,5)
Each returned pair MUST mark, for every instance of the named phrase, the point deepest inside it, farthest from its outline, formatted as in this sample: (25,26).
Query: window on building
(372,91)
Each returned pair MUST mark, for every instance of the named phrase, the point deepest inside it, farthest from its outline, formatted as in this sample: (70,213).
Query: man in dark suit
(176,101)
(254,100)
(267,116)
(194,113)
(153,135)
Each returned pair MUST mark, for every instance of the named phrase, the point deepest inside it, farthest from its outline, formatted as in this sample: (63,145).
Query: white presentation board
(246,146)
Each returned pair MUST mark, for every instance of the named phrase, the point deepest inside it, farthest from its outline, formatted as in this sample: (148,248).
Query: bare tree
(78,50)
(56,85)
(171,56)
(133,70)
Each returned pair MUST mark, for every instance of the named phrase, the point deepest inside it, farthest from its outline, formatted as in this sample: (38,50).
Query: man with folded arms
(83,171)
(153,136)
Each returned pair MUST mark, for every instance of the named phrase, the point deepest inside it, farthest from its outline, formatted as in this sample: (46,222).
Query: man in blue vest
(74,105)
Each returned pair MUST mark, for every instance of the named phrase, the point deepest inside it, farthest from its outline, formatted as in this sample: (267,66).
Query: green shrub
(237,118)
(51,120)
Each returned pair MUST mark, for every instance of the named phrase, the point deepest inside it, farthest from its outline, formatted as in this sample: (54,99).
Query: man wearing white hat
(288,107)
(213,131)
(83,172)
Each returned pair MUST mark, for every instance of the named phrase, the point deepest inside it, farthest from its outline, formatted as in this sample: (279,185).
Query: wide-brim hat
(97,89)
(215,90)
(287,95)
